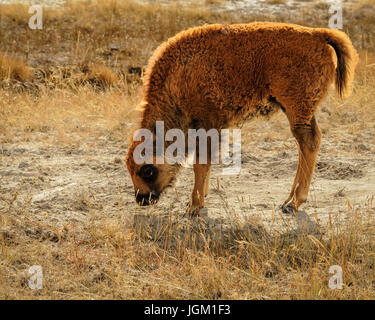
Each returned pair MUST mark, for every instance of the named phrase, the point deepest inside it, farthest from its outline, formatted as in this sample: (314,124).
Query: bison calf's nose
(147,199)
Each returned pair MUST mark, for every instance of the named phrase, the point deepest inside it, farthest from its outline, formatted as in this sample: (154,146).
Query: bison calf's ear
(148,173)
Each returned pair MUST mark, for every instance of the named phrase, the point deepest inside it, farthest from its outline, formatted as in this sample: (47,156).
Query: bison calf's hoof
(196,211)
(288,209)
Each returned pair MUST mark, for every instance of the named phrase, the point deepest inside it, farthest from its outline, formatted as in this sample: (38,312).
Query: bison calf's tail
(347,59)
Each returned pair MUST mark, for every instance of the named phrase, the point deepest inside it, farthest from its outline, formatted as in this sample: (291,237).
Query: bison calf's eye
(148,173)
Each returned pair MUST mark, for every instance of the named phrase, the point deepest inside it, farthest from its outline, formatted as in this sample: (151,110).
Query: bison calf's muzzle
(147,199)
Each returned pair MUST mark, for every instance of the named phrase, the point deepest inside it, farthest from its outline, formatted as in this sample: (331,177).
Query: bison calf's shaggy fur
(217,76)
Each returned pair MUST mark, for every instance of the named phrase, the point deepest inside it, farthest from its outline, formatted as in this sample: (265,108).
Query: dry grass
(168,258)
(273,2)
(217,2)
(101,76)
(108,255)
(12,68)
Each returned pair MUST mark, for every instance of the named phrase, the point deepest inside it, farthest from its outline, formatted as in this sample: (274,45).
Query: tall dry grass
(12,68)
(123,34)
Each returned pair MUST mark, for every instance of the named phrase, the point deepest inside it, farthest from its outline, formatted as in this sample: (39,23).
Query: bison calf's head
(149,180)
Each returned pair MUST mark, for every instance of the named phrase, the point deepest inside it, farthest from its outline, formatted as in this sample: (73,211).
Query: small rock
(135,70)
(24,165)
(363,147)
(114,47)
(117,160)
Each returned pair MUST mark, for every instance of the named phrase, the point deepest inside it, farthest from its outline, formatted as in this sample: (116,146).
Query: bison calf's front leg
(200,190)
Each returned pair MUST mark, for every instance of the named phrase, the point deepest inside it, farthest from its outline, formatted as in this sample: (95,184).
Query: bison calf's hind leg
(308,137)
(202,176)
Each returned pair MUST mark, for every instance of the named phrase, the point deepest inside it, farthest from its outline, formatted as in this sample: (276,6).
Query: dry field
(67,108)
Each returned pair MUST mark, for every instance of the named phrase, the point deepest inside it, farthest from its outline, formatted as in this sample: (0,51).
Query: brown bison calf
(217,76)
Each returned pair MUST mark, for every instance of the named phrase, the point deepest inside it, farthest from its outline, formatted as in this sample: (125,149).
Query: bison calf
(217,76)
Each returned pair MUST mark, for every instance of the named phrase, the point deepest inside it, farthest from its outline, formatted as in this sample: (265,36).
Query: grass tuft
(12,68)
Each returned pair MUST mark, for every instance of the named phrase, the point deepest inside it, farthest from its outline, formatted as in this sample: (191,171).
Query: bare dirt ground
(71,184)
